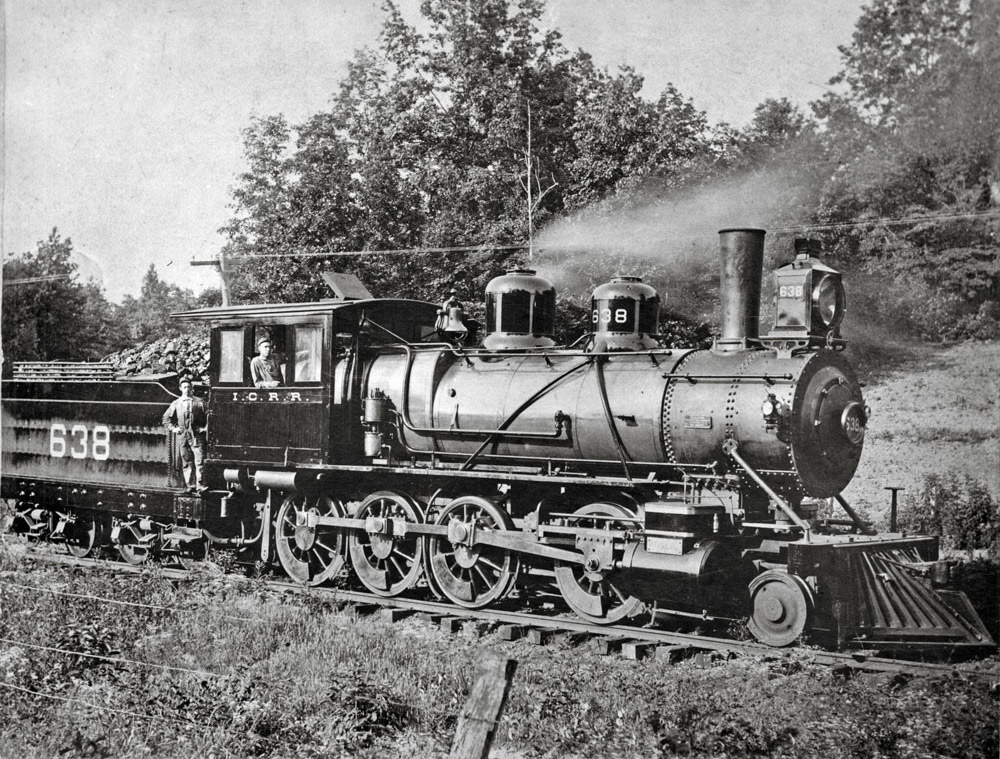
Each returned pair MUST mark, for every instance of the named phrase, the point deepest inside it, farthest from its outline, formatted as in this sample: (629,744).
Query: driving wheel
(589,589)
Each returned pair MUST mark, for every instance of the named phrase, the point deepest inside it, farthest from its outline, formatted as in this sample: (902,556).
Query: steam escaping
(666,236)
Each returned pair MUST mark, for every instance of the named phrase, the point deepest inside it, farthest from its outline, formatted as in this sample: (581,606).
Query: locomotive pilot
(186,418)
(265,369)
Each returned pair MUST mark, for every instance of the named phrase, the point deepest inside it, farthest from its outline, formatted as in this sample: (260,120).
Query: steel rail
(847,661)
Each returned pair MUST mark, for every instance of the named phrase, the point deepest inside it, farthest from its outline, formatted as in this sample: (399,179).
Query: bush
(958,508)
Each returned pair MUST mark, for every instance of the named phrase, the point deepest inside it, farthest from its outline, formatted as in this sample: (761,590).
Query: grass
(217,667)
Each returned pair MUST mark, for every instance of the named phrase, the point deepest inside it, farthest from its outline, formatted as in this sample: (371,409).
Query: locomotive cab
(311,417)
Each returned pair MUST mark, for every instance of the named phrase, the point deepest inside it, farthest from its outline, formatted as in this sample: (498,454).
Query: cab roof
(251,312)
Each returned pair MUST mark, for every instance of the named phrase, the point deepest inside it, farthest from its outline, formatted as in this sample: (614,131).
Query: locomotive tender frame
(634,479)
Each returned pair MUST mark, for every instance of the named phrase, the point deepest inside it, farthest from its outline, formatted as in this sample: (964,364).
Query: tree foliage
(48,313)
(147,317)
(480,127)
(914,136)
(451,137)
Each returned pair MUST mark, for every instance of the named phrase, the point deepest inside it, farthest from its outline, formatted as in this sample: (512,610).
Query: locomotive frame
(633,479)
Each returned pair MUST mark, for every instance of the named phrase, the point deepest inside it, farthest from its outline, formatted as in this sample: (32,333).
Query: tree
(426,144)
(48,314)
(913,132)
(148,317)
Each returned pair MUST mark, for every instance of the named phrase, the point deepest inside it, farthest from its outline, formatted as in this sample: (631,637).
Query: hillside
(937,412)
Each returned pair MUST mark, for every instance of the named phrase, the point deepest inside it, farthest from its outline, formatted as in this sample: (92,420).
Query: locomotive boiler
(628,479)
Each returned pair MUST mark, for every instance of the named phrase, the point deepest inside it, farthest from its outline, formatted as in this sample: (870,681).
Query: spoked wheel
(310,553)
(387,560)
(83,534)
(782,608)
(589,590)
(135,545)
(472,575)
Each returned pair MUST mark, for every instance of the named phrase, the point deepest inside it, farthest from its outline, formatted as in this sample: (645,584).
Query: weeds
(216,667)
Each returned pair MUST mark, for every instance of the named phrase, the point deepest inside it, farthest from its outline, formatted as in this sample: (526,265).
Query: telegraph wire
(805,227)
(111,659)
(34,280)
(102,599)
(105,708)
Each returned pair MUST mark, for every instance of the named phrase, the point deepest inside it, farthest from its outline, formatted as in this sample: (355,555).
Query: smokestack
(742,265)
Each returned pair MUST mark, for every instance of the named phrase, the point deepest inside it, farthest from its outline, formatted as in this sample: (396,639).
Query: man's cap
(263,340)
(182,380)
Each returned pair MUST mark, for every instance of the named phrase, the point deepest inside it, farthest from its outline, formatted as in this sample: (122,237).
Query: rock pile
(185,355)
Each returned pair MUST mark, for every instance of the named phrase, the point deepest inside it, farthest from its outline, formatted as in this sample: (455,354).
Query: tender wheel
(782,608)
(385,558)
(83,534)
(192,553)
(308,552)
(591,593)
(135,545)
(472,575)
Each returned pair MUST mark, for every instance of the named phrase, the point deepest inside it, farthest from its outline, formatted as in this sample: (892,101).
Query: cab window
(308,354)
(231,355)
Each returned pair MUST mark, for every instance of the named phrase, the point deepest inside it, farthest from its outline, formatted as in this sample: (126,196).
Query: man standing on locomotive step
(186,418)
(265,369)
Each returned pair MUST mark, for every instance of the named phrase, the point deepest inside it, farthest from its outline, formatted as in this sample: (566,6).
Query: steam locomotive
(632,480)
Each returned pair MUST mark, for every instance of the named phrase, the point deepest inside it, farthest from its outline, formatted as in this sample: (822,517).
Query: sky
(123,118)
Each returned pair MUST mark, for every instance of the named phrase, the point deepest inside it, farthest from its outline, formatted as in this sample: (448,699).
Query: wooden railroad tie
(673,653)
(452,624)
(637,649)
(394,615)
(538,636)
(606,645)
(511,632)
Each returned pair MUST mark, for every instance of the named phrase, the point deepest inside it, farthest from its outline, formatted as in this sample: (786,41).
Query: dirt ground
(937,413)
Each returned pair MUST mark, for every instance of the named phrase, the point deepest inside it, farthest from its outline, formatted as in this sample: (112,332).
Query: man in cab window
(265,369)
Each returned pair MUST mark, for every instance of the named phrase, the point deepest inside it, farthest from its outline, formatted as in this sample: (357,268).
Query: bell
(451,318)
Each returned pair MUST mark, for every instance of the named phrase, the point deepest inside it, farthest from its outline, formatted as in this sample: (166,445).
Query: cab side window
(231,356)
(308,354)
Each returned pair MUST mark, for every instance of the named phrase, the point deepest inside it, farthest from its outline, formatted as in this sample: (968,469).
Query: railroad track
(544,625)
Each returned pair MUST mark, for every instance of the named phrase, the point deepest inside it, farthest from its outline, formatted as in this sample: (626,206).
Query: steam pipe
(742,254)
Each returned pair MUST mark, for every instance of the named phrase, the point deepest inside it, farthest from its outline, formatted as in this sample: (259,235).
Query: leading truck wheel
(591,592)
(782,607)
(310,553)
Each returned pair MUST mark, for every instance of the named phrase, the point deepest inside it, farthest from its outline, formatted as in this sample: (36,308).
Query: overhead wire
(804,227)
(103,599)
(105,708)
(112,659)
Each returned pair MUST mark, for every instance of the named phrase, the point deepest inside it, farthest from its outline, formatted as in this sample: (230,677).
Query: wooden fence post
(478,721)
